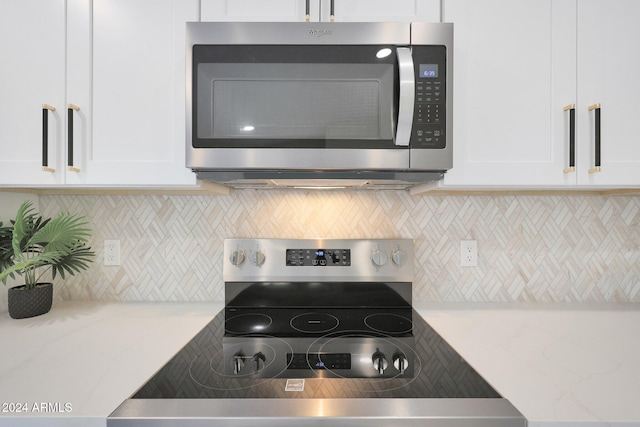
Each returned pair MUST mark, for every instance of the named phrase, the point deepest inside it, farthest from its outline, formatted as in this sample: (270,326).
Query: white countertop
(564,365)
(82,359)
(557,364)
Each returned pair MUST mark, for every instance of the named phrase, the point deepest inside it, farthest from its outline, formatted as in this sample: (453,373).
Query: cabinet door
(382,10)
(32,48)
(512,76)
(608,74)
(138,93)
(258,10)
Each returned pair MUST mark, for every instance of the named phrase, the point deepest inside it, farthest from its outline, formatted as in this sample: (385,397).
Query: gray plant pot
(25,302)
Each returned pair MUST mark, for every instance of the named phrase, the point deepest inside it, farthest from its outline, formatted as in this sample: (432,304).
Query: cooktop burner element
(388,323)
(248,323)
(329,324)
(314,322)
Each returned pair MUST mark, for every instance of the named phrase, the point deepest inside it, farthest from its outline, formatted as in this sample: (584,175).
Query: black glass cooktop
(198,372)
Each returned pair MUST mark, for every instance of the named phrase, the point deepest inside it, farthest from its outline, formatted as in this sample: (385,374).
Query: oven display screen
(318,257)
(318,361)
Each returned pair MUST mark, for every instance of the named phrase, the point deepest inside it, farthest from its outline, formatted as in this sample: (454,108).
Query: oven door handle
(407,96)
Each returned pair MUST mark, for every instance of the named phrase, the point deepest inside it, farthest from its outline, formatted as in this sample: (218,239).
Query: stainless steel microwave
(296,104)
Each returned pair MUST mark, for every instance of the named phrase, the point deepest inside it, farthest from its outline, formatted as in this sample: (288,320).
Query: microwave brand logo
(320,33)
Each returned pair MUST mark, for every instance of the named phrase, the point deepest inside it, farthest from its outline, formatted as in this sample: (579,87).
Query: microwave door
(301,107)
(297,97)
(406,97)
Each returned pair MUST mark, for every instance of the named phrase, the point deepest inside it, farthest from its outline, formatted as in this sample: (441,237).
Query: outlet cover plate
(112,252)
(469,253)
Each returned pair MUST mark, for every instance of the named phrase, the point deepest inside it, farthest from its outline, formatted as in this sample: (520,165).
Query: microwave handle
(407,96)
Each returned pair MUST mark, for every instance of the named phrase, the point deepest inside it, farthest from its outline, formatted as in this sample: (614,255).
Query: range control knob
(258,258)
(399,257)
(238,363)
(237,257)
(379,362)
(400,362)
(258,360)
(379,258)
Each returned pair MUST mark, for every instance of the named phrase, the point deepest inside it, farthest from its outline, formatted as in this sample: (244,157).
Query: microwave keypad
(429,92)
(428,129)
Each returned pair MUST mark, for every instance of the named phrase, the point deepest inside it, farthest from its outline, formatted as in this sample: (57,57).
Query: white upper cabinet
(320,10)
(381,10)
(509,124)
(114,72)
(32,48)
(608,75)
(519,66)
(259,10)
(137,93)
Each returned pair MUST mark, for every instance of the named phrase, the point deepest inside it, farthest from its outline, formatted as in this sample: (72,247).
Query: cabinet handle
(307,10)
(597,165)
(45,137)
(332,12)
(70,109)
(572,138)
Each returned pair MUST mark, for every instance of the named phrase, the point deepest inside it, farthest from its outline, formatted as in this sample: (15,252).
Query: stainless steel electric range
(317,333)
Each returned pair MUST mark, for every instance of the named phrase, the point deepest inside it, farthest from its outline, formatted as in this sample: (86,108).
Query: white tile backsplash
(530,247)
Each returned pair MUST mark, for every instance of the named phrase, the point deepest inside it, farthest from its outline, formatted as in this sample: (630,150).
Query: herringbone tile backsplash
(531,248)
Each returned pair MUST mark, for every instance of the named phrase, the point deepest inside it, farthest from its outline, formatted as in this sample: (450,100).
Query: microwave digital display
(428,71)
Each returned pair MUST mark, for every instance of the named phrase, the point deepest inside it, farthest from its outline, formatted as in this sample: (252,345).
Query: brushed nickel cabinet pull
(571,108)
(70,109)
(45,137)
(596,109)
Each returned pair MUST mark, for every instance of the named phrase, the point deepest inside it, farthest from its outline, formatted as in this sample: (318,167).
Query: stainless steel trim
(407,96)
(297,33)
(317,412)
(297,158)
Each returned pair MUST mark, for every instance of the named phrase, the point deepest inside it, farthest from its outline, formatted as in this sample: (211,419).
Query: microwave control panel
(429,123)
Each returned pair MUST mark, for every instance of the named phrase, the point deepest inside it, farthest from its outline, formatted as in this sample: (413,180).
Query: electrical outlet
(112,252)
(469,253)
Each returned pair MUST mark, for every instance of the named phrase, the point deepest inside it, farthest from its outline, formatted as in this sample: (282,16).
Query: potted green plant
(34,245)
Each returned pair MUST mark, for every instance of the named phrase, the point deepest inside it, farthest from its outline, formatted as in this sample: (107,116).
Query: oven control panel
(333,356)
(325,260)
(318,257)
(318,361)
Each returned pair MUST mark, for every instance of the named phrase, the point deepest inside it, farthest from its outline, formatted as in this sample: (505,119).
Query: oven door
(279,96)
